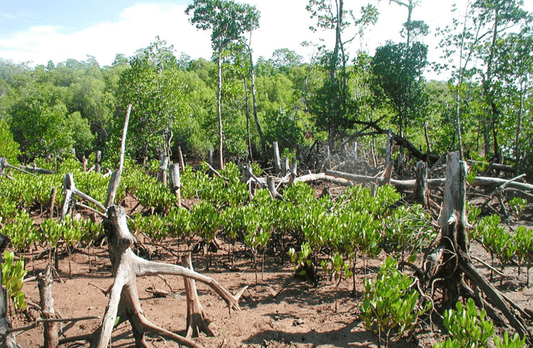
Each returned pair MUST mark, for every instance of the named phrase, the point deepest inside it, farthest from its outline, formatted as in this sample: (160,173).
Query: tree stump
(124,299)
(449,263)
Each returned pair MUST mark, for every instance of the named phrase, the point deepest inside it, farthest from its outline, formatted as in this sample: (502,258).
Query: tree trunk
(247,111)
(219,109)
(277,161)
(51,336)
(254,106)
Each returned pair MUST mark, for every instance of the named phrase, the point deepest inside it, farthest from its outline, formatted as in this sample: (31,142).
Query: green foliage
(517,205)
(20,230)
(408,231)
(506,342)
(205,220)
(468,326)
(398,79)
(12,276)
(390,307)
(333,108)
(9,149)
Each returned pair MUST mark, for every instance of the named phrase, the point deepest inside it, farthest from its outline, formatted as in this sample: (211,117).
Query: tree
(9,149)
(38,121)
(515,71)
(152,85)
(487,25)
(397,70)
(228,21)
(332,104)
(412,28)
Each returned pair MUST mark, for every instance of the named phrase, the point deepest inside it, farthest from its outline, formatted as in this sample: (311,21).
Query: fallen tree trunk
(410,184)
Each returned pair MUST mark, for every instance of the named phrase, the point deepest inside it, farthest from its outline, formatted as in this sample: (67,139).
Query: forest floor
(277,310)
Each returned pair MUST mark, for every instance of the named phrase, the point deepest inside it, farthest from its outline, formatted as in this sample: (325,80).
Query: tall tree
(228,22)
(487,23)
(332,104)
(412,28)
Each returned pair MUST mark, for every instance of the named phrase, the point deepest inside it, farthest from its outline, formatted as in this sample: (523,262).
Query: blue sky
(37,31)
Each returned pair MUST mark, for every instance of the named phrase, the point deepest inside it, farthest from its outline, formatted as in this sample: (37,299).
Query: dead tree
(124,301)
(175,181)
(447,265)
(277,160)
(51,337)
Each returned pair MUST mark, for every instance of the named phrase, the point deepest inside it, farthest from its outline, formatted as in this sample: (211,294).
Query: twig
(91,209)
(105,291)
(160,276)
(38,321)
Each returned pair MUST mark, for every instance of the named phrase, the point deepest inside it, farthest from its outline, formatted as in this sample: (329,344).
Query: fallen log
(410,184)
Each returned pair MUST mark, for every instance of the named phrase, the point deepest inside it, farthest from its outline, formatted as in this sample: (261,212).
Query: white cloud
(283,24)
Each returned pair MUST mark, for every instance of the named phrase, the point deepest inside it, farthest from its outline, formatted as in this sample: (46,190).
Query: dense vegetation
(53,115)
(481,110)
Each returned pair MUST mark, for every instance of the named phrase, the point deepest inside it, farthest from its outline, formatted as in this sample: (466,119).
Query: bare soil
(277,310)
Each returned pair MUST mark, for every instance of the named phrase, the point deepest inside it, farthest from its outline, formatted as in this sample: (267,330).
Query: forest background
(238,105)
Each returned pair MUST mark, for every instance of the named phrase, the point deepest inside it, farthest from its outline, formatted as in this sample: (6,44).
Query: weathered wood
(182,160)
(387,173)
(326,158)
(115,178)
(285,166)
(97,160)
(175,181)
(421,190)
(162,171)
(323,177)
(272,188)
(51,336)
(410,184)
(34,169)
(69,188)
(196,318)
(210,156)
(451,259)
(277,161)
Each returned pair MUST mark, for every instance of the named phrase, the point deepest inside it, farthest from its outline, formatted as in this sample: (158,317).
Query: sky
(37,31)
